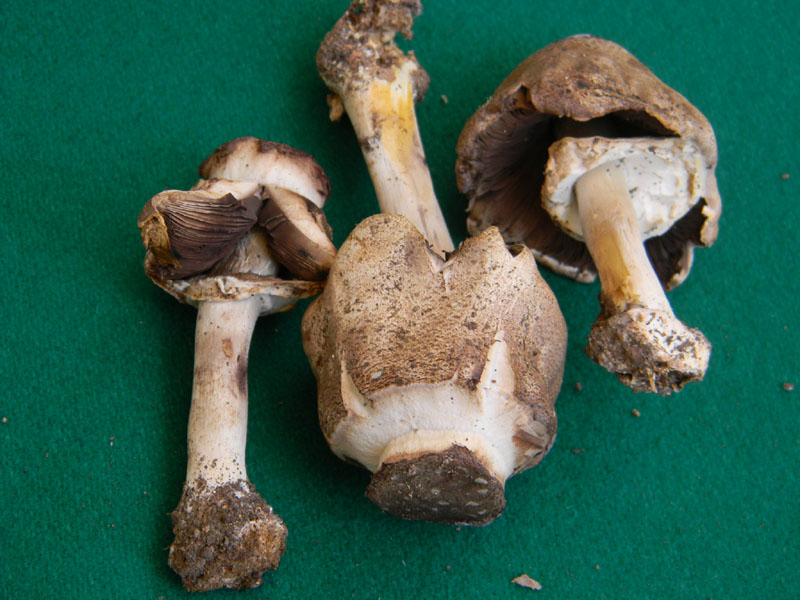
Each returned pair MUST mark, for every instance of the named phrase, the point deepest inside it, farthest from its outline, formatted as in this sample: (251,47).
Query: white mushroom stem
(218,415)
(637,336)
(611,232)
(382,114)
(377,84)
(226,535)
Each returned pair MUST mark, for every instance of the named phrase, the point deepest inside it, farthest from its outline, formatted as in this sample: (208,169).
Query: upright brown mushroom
(206,248)
(437,373)
(599,167)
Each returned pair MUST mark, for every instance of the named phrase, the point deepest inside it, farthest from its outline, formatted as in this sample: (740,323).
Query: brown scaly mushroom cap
(503,151)
(590,160)
(439,376)
(219,247)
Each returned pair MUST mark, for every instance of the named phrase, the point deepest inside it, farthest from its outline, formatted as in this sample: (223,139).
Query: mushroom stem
(611,232)
(218,415)
(226,535)
(385,123)
(637,336)
(377,84)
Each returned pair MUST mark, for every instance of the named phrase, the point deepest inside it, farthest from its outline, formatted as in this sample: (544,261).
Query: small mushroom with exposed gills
(208,248)
(600,168)
(437,371)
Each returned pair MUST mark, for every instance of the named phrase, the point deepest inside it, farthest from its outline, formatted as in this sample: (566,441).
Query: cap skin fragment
(438,376)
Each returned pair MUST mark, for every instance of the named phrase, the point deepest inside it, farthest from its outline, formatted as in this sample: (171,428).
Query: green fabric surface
(105,104)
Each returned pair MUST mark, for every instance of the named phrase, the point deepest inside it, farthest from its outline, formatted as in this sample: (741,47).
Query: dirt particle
(226,538)
(527,582)
(789,387)
(227,347)
(636,413)
(785,176)
(578,386)
(4,419)
(445,99)
(578,450)
(597,567)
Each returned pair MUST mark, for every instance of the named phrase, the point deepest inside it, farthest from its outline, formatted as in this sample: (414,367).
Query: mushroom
(438,376)
(206,248)
(586,157)
(436,373)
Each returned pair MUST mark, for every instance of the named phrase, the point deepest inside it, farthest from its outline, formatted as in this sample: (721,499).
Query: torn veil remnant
(437,371)
(212,247)
(600,168)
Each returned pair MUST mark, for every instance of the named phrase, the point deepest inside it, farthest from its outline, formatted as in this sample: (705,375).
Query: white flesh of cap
(219,187)
(272,168)
(665,178)
(420,418)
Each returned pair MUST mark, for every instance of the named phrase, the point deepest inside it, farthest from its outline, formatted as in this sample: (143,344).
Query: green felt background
(103,104)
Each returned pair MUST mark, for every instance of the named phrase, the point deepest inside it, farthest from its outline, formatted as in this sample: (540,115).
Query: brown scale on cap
(589,159)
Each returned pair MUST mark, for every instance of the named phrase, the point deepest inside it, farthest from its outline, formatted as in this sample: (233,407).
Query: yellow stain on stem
(393,105)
